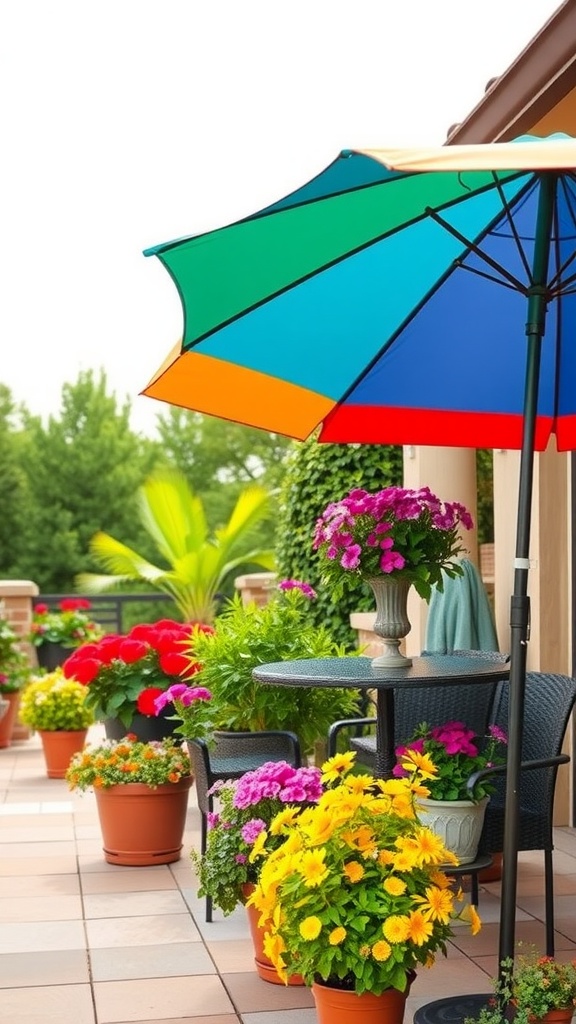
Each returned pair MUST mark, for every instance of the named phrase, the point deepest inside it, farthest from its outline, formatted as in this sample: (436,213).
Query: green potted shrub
(14,673)
(56,708)
(141,794)
(246,636)
(540,989)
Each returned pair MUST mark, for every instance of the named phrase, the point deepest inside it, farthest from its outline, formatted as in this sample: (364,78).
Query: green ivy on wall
(316,475)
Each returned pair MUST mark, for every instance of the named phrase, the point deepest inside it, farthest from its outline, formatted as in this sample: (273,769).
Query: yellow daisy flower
(353,871)
(310,928)
(395,886)
(337,935)
(419,928)
(437,904)
(381,950)
(336,766)
(396,928)
(312,867)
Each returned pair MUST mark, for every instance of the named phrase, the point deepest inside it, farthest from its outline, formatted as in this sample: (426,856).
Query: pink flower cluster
(183,693)
(277,780)
(304,588)
(394,528)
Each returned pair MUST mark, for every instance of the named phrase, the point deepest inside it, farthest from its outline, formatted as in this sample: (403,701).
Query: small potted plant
(56,708)
(447,756)
(125,673)
(14,673)
(246,636)
(56,631)
(247,807)
(391,539)
(141,794)
(540,989)
(354,898)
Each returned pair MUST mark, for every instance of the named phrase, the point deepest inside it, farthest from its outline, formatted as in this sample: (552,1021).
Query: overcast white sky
(125,123)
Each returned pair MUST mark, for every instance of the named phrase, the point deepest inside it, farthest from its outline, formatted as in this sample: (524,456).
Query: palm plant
(198,563)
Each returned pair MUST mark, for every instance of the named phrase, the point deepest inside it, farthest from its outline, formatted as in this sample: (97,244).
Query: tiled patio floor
(85,942)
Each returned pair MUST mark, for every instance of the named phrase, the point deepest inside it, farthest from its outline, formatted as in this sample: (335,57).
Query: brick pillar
(16,600)
(256,587)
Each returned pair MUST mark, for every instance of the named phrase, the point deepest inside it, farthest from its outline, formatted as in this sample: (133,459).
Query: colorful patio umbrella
(404,297)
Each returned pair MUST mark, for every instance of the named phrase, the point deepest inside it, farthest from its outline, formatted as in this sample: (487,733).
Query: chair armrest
(344,723)
(500,769)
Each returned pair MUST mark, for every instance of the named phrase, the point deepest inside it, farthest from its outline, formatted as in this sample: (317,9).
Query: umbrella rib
(512,226)
(491,277)
(562,267)
(472,247)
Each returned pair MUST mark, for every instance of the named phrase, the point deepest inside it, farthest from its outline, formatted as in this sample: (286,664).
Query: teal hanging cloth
(461,617)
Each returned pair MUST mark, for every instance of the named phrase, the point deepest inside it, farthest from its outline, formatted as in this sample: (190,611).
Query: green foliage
(114,763)
(14,491)
(198,563)
(485,495)
(14,667)
(248,636)
(69,624)
(54,703)
(83,470)
(315,475)
(536,984)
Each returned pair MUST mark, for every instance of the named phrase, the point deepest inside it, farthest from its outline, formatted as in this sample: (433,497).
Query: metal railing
(109,610)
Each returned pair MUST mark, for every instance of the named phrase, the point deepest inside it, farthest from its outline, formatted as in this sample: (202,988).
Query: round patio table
(359,673)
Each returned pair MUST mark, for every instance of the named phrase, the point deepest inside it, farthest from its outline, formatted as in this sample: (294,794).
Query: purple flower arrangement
(395,530)
(246,808)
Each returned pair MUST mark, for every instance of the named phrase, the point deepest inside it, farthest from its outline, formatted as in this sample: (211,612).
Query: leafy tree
(317,474)
(219,458)
(14,489)
(83,470)
(197,563)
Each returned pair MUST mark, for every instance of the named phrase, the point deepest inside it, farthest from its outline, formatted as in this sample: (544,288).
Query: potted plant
(125,673)
(354,898)
(448,756)
(540,988)
(56,631)
(391,539)
(247,807)
(14,672)
(56,708)
(246,636)
(142,796)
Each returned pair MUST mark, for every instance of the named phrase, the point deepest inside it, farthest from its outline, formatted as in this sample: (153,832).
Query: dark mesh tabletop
(358,672)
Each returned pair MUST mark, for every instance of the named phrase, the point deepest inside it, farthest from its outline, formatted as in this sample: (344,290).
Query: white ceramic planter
(457,822)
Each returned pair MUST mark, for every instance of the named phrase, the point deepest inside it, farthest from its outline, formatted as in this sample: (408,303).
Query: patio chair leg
(549,901)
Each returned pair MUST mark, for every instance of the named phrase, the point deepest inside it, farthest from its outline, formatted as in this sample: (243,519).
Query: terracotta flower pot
(264,966)
(143,826)
(340,1006)
(8,718)
(59,746)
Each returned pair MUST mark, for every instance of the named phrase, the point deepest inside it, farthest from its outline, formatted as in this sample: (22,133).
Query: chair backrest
(232,754)
(549,701)
(471,703)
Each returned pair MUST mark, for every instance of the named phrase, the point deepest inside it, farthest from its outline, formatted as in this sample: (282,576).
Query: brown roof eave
(538,79)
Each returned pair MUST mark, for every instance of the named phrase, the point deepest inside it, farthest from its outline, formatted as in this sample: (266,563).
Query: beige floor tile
(300,1016)
(141,931)
(51,967)
(201,995)
(41,908)
(42,935)
(46,833)
(219,1018)
(47,1004)
(130,904)
(32,849)
(232,956)
(40,885)
(37,866)
(250,994)
(178,959)
(128,880)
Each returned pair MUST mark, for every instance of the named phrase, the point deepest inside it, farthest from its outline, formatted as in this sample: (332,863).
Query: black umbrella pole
(520,603)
